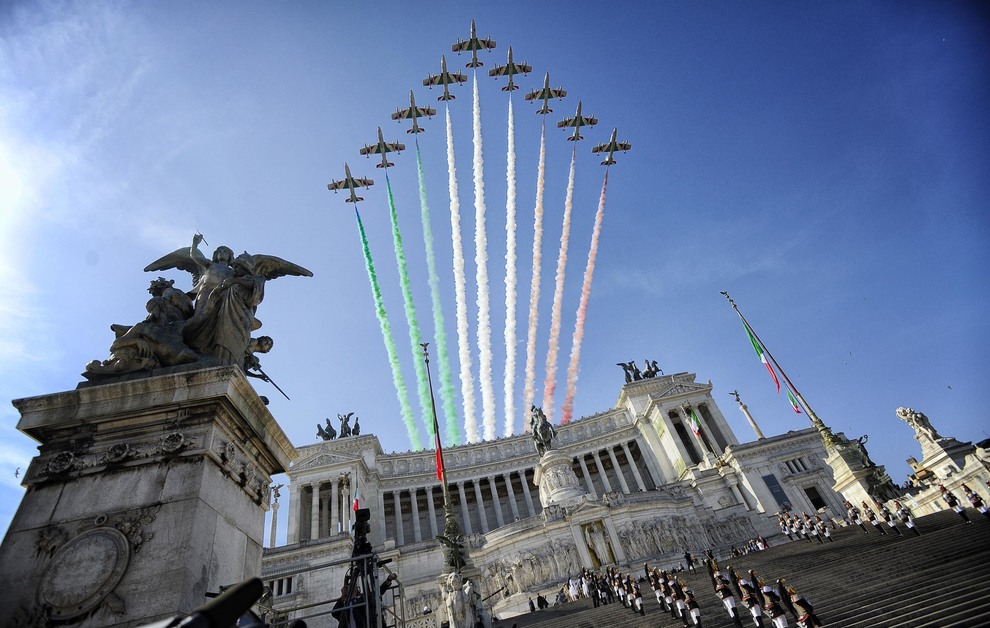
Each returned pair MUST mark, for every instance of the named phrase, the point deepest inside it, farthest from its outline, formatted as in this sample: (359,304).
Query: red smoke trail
(582,311)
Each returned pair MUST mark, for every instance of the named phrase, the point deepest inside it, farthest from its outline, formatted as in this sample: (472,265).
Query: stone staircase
(940,579)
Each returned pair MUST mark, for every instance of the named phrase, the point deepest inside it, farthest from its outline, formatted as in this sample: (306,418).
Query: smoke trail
(558,297)
(481,276)
(510,277)
(439,326)
(393,354)
(415,336)
(534,286)
(582,311)
(460,294)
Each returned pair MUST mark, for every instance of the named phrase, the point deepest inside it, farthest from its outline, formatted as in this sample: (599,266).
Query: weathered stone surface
(145,495)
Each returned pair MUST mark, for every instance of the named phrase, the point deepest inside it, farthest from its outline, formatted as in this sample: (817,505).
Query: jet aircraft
(510,69)
(546,94)
(349,183)
(577,122)
(445,78)
(413,113)
(611,146)
(474,45)
(382,148)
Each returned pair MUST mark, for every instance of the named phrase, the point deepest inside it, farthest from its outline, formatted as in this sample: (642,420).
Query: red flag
(439,454)
(357,495)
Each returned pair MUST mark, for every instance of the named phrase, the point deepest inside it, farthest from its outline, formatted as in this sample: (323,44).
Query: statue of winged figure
(226,291)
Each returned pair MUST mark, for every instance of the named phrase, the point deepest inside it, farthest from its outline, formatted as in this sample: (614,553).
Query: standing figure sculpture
(543,431)
(345,428)
(919,423)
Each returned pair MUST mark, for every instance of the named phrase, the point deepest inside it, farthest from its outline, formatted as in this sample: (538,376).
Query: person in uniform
(977,501)
(694,609)
(874,520)
(888,517)
(853,513)
(773,606)
(949,498)
(904,513)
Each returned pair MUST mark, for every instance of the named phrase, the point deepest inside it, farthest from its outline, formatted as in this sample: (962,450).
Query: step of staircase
(937,580)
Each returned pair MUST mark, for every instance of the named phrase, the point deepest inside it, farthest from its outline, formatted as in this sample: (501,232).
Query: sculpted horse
(543,431)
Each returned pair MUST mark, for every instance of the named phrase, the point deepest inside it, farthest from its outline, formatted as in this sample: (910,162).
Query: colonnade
(328,511)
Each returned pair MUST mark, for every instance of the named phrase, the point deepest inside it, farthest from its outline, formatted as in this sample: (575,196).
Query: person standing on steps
(950,499)
(904,513)
(874,521)
(853,513)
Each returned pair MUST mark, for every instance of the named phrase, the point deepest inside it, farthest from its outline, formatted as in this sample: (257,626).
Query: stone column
(527,494)
(271,540)
(507,477)
(335,527)
(465,516)
(400,537)
(601,472)
(314,513)
(325,529)
(632,465)
(481,507)
(292,534)
(587,476)
(496,502)
(182,461)
(433,511)
(618,470)
(413,498)
(382,529)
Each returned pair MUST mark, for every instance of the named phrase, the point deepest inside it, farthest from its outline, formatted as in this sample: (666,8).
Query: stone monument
(151,482)
(559,486)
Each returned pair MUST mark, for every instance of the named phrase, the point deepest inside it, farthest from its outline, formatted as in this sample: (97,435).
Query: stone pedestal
(145,495)
(944,457)
(558,484)
(852,479)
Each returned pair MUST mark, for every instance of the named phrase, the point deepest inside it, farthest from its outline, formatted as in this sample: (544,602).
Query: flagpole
(826,433)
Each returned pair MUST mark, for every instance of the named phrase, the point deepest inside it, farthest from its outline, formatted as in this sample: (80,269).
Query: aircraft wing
(533,95)
(433,79)
(371,150)
(365,183)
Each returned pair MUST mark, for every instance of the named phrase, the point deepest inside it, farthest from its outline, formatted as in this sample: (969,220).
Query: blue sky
(826,163)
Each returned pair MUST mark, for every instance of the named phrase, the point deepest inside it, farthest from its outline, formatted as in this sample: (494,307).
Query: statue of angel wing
(271,267)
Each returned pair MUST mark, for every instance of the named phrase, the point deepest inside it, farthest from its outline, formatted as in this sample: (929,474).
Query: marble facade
(647,488)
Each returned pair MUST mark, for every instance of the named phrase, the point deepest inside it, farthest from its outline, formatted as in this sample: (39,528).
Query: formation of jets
(510,69)
(611,146)
(350,183)
(382,148)
(446,78)
(474,45)
(546,94)
(413,113)
(577,122)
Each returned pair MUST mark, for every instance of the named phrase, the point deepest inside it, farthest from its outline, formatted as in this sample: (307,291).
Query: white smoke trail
(534,288)
(550,385)
(567,409)
(463,342)
(481,274)
(510,278)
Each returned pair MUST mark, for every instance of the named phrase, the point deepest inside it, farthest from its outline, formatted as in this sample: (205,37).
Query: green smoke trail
(447,394)
(415,337)
(393,356)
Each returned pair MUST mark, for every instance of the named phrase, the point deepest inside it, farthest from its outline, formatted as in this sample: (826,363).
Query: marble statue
(154,342)
(211,324)
(919,423)
(543,431)
(326,434)
(345,427)
(459,600)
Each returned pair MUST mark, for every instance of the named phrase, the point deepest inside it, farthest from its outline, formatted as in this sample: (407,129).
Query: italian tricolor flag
(759,352)
(695,424)
(794,403)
